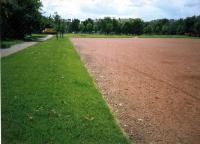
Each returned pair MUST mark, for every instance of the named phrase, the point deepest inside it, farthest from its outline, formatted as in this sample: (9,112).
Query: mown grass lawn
(48,97)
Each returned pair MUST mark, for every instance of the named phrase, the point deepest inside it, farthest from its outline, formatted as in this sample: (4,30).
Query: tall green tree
(180,28)
(116,26)
(137,26)
(126,28)
(75,25)
(57,22)
(197,26)
(189,25)
(87,25)
(106,25)
(19,17)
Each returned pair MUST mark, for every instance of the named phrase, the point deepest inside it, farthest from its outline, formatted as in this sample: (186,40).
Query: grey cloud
(145,9)
(102,9)
(193,4)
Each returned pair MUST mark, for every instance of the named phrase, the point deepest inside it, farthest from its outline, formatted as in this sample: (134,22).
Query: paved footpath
(21,46)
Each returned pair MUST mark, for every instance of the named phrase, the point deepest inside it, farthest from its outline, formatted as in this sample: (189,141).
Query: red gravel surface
(152,85)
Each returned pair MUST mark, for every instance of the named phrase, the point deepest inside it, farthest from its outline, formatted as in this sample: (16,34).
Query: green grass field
(48,97)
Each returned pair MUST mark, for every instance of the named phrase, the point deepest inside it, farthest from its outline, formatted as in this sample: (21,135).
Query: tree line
(20,18)
(24,17)
(188,26)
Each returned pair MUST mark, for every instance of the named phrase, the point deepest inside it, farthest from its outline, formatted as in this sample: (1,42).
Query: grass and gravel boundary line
(49,97)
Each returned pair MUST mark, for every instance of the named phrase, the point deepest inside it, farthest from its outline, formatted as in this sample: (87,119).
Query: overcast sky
(144,9)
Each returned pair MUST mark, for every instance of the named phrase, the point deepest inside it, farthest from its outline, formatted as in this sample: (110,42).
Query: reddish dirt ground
(152,85)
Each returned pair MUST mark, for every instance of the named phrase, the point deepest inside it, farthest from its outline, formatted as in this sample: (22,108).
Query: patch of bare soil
(152,85)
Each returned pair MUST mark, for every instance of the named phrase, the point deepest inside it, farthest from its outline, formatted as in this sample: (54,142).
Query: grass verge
(128,36)
(9,43)
(34,37)
(166,36)
(99,36)
(49,97)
